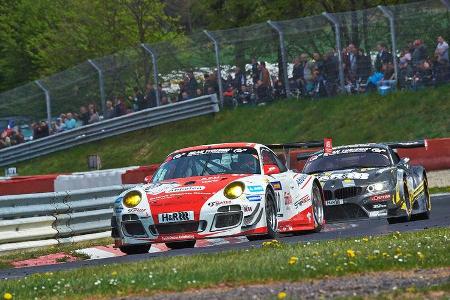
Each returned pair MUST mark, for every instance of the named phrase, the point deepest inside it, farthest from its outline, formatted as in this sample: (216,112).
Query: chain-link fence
(317,56)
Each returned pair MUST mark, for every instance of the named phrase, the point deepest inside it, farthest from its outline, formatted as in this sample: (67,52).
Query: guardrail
(34,220)
(107,128)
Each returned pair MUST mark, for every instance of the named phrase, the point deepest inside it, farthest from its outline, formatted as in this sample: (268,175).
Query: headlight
(132,199)
(234,190)
(378,187)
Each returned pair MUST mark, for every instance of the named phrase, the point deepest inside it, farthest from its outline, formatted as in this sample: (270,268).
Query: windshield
(320,163)
(209,162)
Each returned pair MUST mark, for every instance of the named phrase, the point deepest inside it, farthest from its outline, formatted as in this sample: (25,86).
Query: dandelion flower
(365,239)
(351,253)
(293,260)
(281,295)
(114,273)
(420,255)
(8,296)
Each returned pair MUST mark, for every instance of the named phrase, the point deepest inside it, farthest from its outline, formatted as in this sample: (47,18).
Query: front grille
(133,229)
(347,192)
(343,212)
(227,220)
(181,227)
(328,194)
(129,217)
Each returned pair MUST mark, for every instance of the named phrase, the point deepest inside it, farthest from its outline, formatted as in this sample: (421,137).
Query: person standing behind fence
(383,57)
(150,97)
(109,113)
(419,53)
(139,99)
(442,60)
(255,71)
(191,85)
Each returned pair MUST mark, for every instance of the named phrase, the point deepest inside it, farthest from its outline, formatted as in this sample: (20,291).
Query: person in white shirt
(441,53)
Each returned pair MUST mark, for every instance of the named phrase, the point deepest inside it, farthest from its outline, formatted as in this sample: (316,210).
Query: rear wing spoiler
(304,156)
(297,145)
(409,144)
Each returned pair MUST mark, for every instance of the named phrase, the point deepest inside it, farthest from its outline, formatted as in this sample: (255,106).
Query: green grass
(438,190)
(348,119)
(7,258)
(270,263)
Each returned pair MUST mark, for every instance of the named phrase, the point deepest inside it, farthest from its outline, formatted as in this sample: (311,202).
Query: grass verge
(273,262)
(355,119)
(438,190)
(7,258)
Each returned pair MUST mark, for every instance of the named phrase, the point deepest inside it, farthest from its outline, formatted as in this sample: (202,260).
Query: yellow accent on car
(132,199)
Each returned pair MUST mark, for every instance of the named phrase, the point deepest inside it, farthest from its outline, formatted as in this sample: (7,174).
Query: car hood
(354,176)
(189,192)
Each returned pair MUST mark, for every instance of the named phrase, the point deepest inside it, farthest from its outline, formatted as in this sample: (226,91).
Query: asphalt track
(440,217)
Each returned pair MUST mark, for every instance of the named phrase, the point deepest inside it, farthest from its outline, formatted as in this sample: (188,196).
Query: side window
(269,158)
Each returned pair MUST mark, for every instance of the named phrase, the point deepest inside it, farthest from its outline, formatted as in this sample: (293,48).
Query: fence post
(101,85)
(283,55)
(219,73)
(388,14)
(337,31)
(152,53)
(47,102)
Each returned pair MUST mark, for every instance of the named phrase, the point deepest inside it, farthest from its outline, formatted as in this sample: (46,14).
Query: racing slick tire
(317,206)
(426,214)
(135,249)
(395,220)
(271,219)
(180,245)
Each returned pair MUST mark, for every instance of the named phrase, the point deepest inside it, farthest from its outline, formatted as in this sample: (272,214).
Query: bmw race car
(370,181)
(234,189)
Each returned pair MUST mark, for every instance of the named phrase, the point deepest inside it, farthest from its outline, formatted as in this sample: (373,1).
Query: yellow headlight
(234,190)
(132,199)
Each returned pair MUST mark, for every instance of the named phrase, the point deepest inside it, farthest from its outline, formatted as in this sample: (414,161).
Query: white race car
(211,191)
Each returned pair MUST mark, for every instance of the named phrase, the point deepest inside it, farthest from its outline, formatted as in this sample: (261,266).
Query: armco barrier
(34,220)
(143,119)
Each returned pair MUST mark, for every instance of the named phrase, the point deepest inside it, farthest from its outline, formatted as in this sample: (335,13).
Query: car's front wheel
(427,203)
(180,245)
(135,249)
(271,219)
(317,205)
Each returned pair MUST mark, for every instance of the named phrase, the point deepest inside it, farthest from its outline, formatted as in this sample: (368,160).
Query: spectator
(140,102)
(351,61)
(198,93)
(84,115)
(364,66)
(161,93)
(297,70)
(239,79)
(150,97)
(255,71)
(119,107)
(70,122)
(191,85)
(442,60)
(264,84)
(184,96)
(383,57)
(59,125)
(93,116)
(109,113)
(405,68)
(419,54)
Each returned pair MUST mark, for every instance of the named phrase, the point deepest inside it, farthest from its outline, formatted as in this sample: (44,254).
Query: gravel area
(369,284)
(438,178)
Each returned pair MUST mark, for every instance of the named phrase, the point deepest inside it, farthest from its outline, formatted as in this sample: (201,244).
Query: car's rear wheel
(317,206)
(180,245)
(271,219)
(135,249)
(394,220)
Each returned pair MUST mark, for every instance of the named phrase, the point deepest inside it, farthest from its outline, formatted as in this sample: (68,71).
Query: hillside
(355,119)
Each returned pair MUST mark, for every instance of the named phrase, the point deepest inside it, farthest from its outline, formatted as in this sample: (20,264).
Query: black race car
(370,181)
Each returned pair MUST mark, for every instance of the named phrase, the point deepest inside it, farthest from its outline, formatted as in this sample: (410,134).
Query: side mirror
(271,169)
(405,160)
(148,179)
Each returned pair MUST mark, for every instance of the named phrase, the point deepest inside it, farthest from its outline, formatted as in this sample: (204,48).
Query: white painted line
(95,253)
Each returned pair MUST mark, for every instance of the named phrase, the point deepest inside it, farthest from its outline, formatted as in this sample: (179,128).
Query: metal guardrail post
(47,102)
(388,14)
(277,28)
(101,84)
(337,30)
(152,53)
(219,73)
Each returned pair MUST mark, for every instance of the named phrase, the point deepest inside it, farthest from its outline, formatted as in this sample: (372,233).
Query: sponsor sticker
(303,200)
(380,198)
(155,189)
(301,178)
(217,203)
(342,176)
(247,208)
(118,200)
(255,188)
(327,146)
(334,202)
(276,185)
(177,237)
(379,213)
(136,210)
(379,205)
(179,216)
(287,199)
(186,189)
(254,198)
(348,182)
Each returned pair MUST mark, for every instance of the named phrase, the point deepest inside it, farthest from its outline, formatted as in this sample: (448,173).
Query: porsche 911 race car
(370,181)
(215,191)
